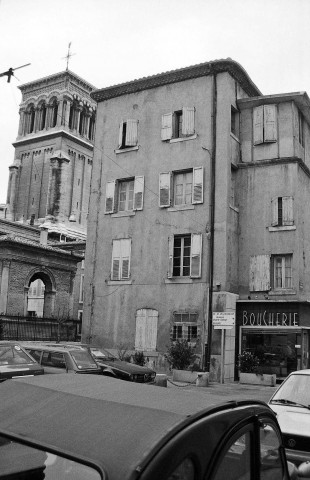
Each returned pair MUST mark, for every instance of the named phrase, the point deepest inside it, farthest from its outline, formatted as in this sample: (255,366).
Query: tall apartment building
(199,205)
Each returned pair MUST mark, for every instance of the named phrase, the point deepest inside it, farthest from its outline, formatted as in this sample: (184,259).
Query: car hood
(125,366)
(293,420)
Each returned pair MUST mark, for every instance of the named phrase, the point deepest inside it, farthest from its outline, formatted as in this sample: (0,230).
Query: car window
(83,359)
(236,462)
(53,359)
(18,461)
(184,471)
(36,354)
(295,389)
(271,467)
(102,354)
(13,355)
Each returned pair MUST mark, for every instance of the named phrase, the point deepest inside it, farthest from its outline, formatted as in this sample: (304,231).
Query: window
(128,134)
(282,211)
(184,187)
(264,124)
(146,329)
(259,273)
(185,327)
(270,459)
(81,296)
(121,259)
(301,129)
(281,271)
(178,124)
(234,122)
(124,195)
(237,459)
(185,255)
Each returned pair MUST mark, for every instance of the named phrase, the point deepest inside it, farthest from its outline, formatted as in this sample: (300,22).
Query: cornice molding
(51,135)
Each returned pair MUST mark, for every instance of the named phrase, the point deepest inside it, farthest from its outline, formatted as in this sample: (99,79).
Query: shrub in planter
(248,362)
(139,358)
(180,355)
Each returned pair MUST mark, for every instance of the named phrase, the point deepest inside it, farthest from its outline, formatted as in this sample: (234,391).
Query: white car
(291,403)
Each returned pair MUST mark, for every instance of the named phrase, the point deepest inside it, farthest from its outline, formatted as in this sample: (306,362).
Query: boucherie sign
(270,319)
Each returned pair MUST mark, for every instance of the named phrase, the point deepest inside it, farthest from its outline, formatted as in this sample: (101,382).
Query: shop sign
(270,319)
(223,319)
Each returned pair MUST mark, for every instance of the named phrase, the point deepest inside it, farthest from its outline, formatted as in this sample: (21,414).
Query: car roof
(48,348)
(301,372)
(116,425)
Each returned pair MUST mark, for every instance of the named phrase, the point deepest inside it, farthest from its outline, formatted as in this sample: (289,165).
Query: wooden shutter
(109,197)
(125,257)
(287,209)
(116,254)
(197,192)
(120,135)
(138,193)
(170,255)
(259,273)
(258,125)
(166,126)
(131,133)
(188,124)
(270,123)
(274,212)
(164,189)
(196,249)
(146,329)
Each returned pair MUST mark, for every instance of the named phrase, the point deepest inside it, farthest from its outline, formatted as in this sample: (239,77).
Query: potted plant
(249,371)
(180,356)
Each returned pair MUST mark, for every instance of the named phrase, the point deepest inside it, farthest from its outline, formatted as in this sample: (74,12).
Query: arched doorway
(40,294)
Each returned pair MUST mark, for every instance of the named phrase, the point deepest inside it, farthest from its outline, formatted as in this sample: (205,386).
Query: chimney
(43,236)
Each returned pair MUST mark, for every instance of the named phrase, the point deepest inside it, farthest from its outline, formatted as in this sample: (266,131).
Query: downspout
(212,221)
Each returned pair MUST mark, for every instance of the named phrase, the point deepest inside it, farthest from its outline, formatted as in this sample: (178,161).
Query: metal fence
(33,328)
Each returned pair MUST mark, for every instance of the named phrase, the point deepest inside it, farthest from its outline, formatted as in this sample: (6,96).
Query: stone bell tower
(49,181)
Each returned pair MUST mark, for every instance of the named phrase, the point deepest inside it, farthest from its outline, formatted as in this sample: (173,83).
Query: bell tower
(49,181)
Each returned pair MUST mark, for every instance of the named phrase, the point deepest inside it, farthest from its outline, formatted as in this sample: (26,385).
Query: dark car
(59,360)
(291,403)
(114,367)
(16,362)
(75,428)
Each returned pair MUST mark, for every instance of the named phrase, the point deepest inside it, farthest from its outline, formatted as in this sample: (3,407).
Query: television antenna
(10,72)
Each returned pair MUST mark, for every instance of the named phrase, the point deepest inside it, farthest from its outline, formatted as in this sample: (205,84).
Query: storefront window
(278,353)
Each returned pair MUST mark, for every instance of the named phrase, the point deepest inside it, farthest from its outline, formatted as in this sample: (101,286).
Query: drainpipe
(212,220)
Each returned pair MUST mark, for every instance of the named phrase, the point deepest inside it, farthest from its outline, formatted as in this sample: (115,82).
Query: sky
(114,41)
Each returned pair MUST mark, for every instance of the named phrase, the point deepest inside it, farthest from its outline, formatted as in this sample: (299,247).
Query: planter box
(258,379)
(184,376)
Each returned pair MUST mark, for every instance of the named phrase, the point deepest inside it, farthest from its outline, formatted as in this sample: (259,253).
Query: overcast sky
(114,41)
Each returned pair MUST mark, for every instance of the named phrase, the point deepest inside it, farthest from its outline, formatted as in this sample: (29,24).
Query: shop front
(276,332)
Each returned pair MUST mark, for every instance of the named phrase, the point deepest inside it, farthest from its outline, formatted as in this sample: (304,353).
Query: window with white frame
(178,124)
(282,211)
(185,327)
(121,252)
(179,188)
(124,195)
(81,296)
(265,124)
(281,271)
(185,255)
(128,134)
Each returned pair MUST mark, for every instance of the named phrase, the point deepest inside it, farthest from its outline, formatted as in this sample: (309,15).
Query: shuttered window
(124,195)
(265,124)
(282,211)
(121,259)
(128,134)
(259,273)
(146,329)
(185,255)
(184,187)
(178,124)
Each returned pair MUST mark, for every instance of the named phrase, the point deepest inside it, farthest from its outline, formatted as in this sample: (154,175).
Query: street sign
(223,320)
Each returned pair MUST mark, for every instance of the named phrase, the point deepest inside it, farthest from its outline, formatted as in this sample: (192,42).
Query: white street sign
(223,320)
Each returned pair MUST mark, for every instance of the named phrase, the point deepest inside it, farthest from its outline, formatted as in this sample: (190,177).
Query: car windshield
(295,390)
(13,355)
(83,359)
(101,354)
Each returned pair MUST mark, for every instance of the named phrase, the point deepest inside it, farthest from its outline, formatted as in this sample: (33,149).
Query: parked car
(59,360)
(114,367)
(291,403)
(73,427)
(16,362)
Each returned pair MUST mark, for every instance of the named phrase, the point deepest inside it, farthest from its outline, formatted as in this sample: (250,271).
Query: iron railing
(36,328)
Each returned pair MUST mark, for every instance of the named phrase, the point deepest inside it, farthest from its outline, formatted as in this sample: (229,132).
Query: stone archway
(36,277)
